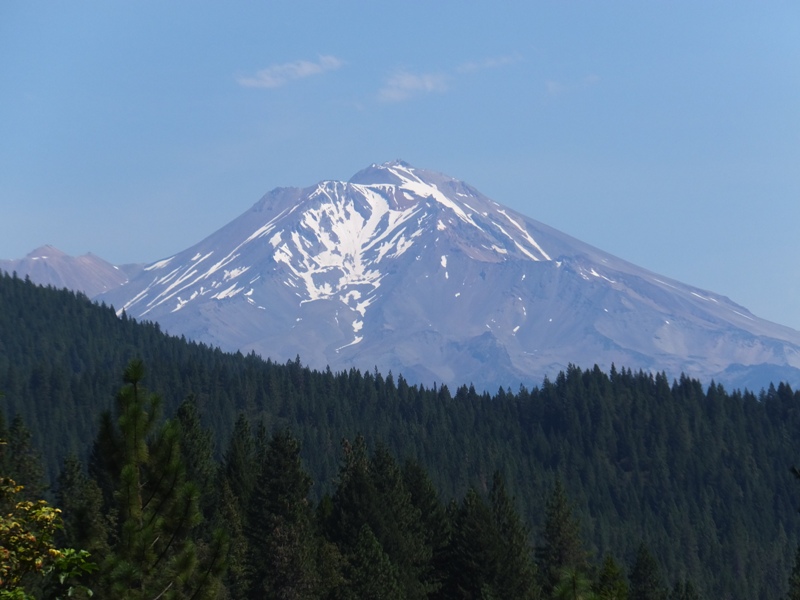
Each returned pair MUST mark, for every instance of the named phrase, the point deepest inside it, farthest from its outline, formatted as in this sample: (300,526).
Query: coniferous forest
(186,472)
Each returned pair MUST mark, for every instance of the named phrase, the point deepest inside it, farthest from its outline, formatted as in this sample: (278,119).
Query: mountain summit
(415,272)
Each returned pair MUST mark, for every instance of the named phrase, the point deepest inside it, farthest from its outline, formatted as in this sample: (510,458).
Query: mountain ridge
(88,273)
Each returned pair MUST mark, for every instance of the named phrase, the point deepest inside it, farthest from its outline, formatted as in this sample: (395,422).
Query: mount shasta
(414,272)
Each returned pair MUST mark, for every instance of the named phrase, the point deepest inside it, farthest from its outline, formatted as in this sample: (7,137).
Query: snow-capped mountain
(88,273)
(412,271)
(415,272)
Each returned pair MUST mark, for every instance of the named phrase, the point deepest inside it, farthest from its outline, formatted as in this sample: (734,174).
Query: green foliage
(28,551)
(647,581)
(369,573)
(794,578)
(154,553)
(611,583)
(516,571)
(281,551)
(473,557)
(700,473)
(560,550)
(573,585)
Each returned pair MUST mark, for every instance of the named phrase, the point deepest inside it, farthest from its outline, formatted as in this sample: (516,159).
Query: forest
(294,483)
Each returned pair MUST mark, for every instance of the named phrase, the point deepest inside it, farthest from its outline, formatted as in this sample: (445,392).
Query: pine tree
(197,452)
(516,568)
(369,573)
(647,582)
(561,545)
(400,530)
(86,526)
(794,578)
(279,525)
(573,585)
(236,578)
(355,500)
(240,467)
(20,461)
(611,584)
(433,519)
(684,590)
(473,555)
(155,552)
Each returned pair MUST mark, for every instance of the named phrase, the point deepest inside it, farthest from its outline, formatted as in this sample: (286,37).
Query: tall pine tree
(561,546)
(154,553)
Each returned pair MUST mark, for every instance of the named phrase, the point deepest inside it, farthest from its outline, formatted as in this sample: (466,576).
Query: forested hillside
(697,475)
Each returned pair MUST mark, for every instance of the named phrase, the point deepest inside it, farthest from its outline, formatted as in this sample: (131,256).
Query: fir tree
(155,552)
(279,526)
(516,577)
(561,545)
(370,575)
(647,583)
(684,590)
(794,578)
(611,584)
(433,520)
(473,555)
(86,525)
(573,585)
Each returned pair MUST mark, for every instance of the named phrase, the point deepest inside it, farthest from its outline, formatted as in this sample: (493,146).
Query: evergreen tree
(561,545)
(573,585)
(155,553)
(236,578)
(78,496)
(794,578)
(647,583)
(684,590)
(473,555)
(240,467)
(355,501)
(370,575)
(611,584)
(197,453)
(399,529)
(279,525)
(516,577)
(20,461)
(433,519)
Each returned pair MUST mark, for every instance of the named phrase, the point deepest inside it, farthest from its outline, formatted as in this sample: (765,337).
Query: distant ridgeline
(702,476)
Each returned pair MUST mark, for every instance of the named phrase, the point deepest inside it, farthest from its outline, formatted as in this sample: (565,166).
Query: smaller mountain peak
(46,251)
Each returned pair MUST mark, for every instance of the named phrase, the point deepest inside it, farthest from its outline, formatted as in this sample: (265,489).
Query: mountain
(412,271)
(88,273)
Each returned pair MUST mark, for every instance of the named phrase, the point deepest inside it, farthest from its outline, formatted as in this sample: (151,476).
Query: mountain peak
(413,271)
(46,251)
(393,172)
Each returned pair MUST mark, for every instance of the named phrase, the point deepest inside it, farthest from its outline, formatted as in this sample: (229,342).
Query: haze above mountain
(414,272)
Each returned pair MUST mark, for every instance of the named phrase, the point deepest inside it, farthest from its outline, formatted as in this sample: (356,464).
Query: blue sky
(667,133)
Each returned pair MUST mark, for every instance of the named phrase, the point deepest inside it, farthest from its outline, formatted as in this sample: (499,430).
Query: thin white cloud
(555,89)
(276,76)
(488,63)
(403,85)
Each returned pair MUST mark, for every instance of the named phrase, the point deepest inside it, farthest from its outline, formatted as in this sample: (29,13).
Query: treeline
(161,518)
(699,474)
